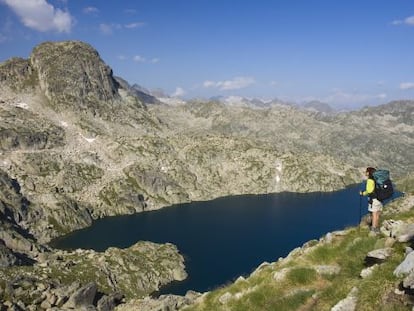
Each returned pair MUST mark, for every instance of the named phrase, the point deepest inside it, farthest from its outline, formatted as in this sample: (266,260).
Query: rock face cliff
(72,73)
(77,144)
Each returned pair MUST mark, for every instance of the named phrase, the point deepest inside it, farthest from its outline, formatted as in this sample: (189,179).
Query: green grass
(301,276)
(325,254)
(56,225)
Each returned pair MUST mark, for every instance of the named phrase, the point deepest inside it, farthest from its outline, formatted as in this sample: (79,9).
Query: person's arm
(370,188)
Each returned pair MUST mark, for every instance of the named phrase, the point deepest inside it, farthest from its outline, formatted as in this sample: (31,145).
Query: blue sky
(343,52)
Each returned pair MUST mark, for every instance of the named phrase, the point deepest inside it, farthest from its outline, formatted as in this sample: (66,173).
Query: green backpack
(383,185)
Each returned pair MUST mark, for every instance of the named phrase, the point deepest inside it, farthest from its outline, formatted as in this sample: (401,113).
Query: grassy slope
(293,283)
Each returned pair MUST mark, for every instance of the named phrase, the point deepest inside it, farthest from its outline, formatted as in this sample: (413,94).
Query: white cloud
(142,59)
(178,92)
(108,29)
(41,16)
(134,25)
(407,21)
(90,10)
(235,84)
(381,96)
(139,59)
(209,84)
(407,85)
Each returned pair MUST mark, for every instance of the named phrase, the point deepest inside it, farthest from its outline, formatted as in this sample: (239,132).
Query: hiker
(374,205)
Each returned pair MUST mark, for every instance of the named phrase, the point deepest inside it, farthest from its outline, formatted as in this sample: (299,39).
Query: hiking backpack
(383,185)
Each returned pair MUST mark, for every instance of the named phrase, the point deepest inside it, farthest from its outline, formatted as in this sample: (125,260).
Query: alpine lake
(227,237)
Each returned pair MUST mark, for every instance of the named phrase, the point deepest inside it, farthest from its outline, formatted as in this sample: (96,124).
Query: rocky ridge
(78,144)
(355,138)
(59,279)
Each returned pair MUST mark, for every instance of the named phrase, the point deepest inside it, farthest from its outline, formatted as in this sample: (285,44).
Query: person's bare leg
(375,219)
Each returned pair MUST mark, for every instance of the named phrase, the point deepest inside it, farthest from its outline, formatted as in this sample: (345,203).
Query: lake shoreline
(148,219)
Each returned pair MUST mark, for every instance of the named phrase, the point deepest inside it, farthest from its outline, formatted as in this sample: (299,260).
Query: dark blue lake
(228,237)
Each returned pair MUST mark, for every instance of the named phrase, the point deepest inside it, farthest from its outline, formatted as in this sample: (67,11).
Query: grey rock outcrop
(7,257)
(16,215)
(84,296)
(408,282)
(164,302)
(85,80)
(349,303)
(109,302)
(103,279)
(379,255)
(17,74)
(28,131)
(405,267)
(403,232)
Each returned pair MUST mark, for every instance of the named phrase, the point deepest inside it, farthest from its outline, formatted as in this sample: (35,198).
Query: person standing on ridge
(374,205)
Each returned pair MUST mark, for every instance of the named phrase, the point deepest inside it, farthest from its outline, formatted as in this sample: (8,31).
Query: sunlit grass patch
(270,298)
(301,276)
(294,301)
(324,254)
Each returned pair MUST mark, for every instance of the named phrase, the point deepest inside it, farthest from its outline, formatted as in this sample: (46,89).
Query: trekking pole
(360,211)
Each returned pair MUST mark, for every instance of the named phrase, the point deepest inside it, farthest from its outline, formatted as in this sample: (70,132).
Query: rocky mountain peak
(72,73)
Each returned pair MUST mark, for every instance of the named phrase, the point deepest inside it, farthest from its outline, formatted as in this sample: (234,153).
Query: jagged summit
(71,75)
(72,72)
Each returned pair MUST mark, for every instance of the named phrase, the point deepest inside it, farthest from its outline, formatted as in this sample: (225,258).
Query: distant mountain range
(159,97)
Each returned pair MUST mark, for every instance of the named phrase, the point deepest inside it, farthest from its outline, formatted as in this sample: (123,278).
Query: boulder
(406,266)
(84,296)
(109,302)
(399,230)
(348,303)
(378,256)
(368,271)
(408,282)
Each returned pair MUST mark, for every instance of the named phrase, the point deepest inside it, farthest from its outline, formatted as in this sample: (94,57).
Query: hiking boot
(374,231)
